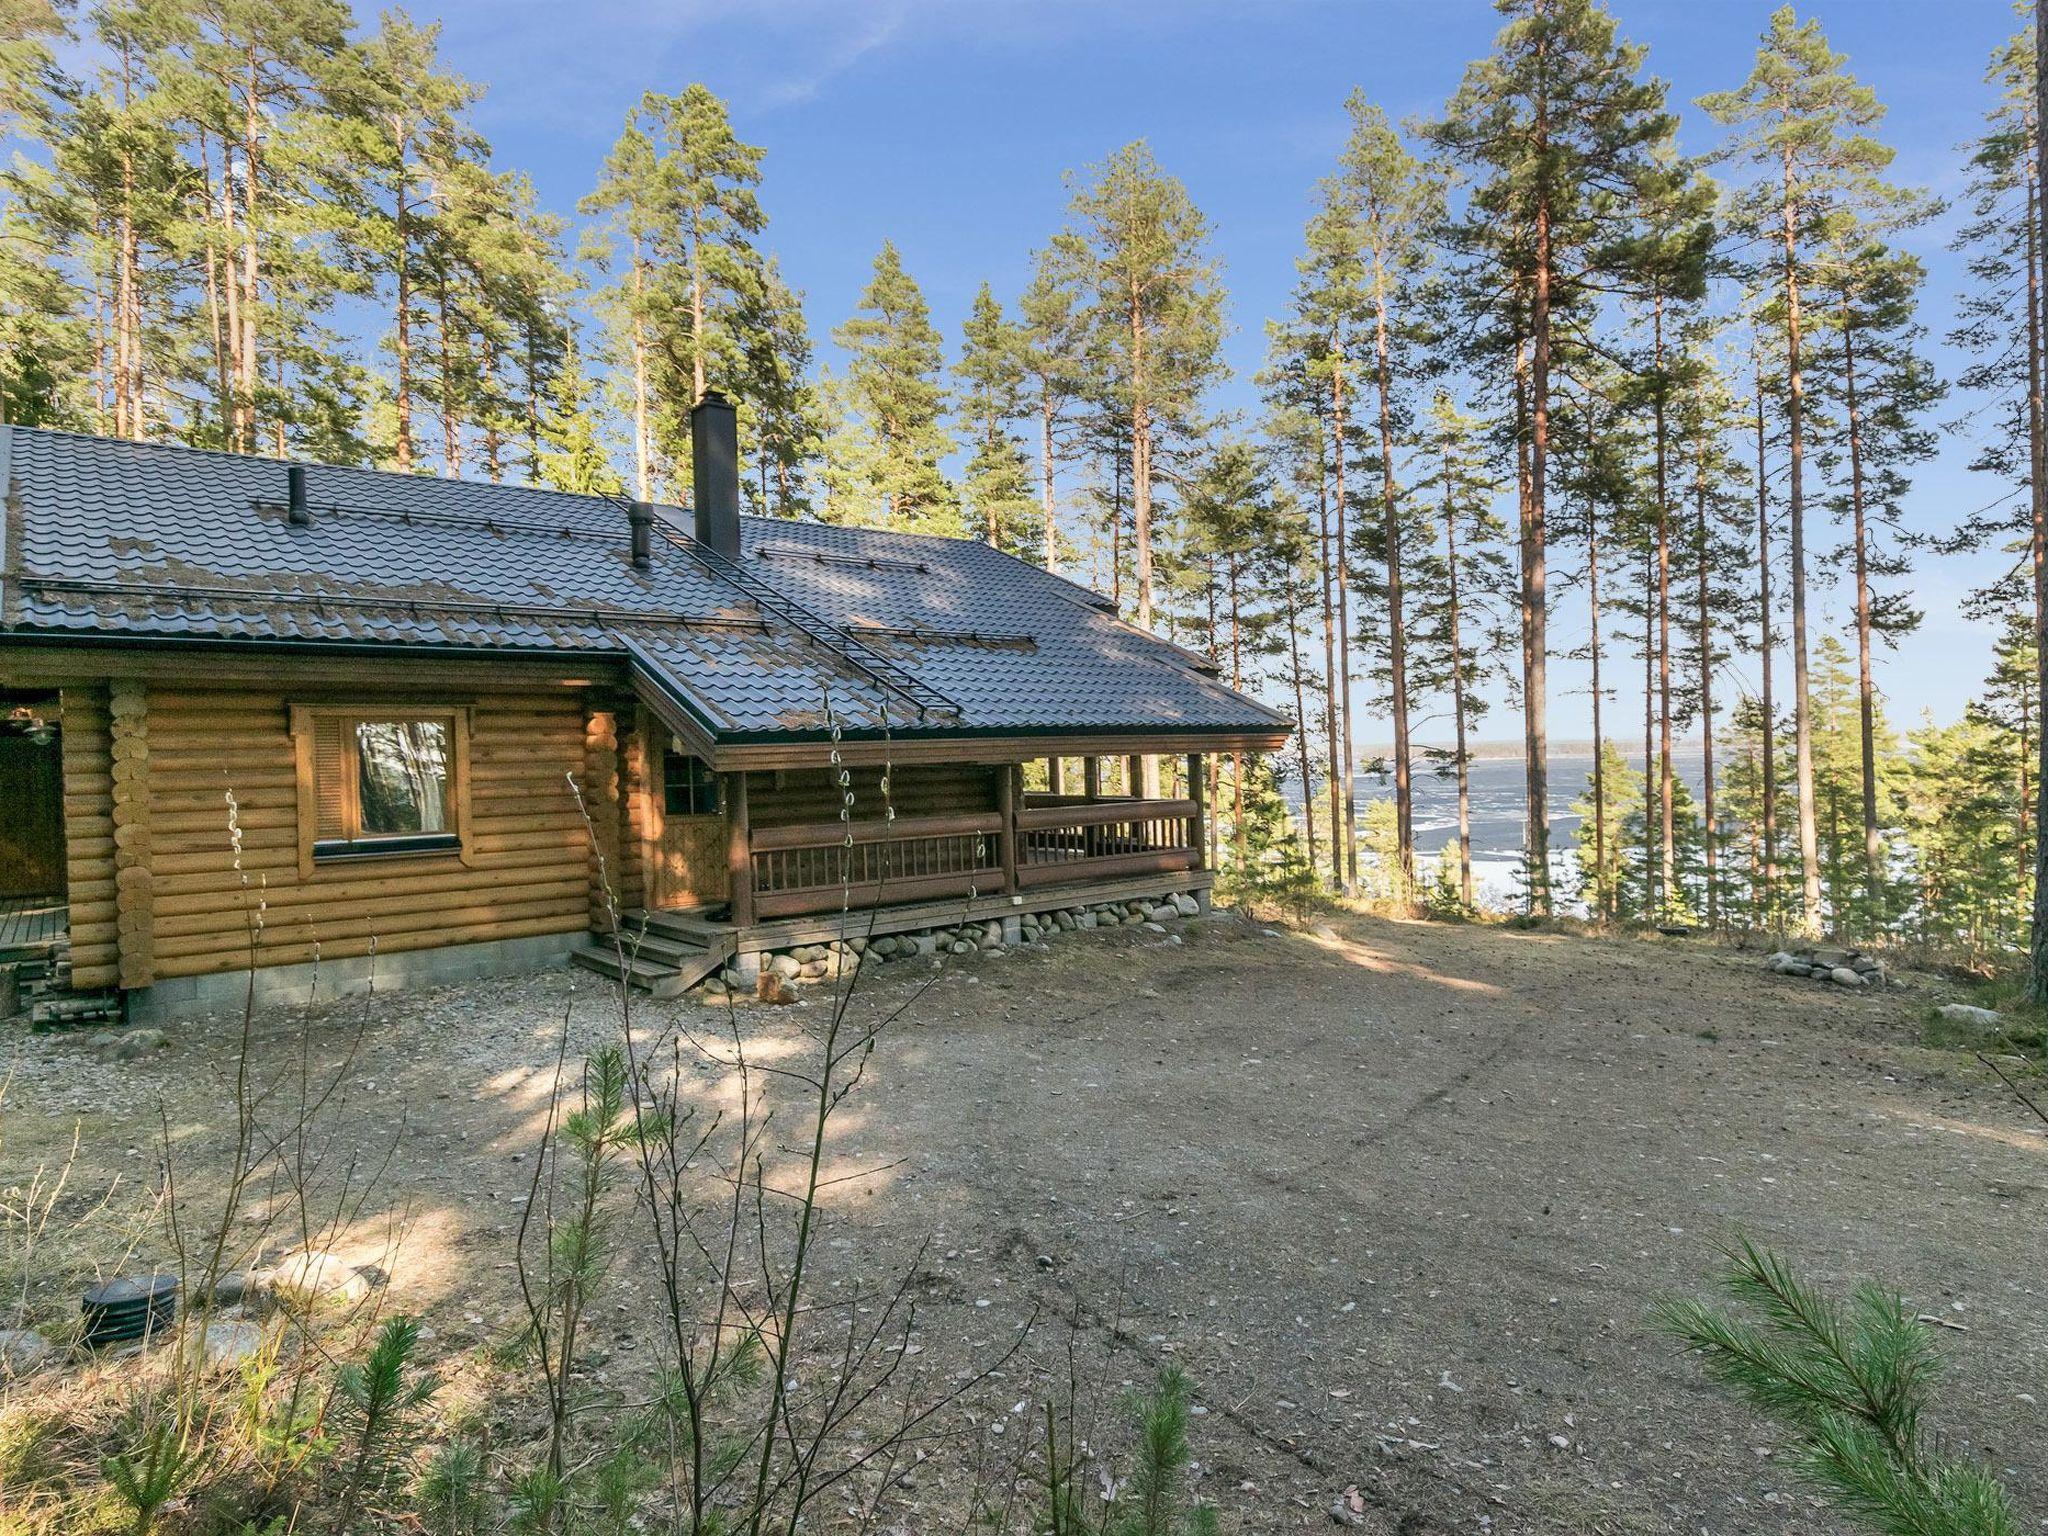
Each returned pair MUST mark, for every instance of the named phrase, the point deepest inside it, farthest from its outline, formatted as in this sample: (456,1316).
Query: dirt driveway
(1395,1197)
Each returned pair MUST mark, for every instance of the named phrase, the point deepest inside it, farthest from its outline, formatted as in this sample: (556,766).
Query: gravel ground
(1394,1195)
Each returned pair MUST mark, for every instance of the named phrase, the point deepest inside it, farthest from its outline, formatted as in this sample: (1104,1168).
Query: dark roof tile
(858,626)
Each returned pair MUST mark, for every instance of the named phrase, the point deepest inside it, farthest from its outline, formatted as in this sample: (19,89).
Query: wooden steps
(664,954)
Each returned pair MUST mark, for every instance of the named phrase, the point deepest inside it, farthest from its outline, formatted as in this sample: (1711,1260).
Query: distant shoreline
(1495,751)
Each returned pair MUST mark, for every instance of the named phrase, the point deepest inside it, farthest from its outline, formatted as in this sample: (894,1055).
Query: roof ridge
(130,445)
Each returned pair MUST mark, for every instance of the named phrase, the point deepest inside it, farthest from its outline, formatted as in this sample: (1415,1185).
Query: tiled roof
(110,538)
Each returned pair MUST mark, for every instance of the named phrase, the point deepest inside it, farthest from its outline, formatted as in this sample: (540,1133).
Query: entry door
(690,855)
(31,812)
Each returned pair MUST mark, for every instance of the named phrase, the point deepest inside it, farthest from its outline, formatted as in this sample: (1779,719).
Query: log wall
(89,837)
(525,870)
(796,796)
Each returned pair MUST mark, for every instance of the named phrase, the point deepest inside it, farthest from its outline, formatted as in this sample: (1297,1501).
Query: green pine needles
(1851,1382)
(1151,1501)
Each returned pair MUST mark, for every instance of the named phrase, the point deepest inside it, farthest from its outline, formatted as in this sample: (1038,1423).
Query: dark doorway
(31,801)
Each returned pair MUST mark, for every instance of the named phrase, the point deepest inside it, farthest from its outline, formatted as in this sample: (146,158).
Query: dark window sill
(339,850)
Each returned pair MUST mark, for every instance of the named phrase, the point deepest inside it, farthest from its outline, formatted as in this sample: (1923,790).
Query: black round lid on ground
(127,1289)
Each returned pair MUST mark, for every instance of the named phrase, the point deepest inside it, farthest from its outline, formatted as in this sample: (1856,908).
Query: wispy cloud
(878,25)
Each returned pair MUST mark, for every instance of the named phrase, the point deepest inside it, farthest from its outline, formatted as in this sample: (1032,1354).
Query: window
(375,783)
(401,777)
(688,786)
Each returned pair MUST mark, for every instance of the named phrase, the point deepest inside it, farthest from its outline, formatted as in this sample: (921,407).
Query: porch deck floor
(29,925)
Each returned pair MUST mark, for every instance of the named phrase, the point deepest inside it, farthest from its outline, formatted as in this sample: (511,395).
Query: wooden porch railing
(793,871)
(808,868)
(1093,839)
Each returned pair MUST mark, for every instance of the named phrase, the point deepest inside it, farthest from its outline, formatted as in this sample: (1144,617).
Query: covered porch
(721,864)
(1046,825)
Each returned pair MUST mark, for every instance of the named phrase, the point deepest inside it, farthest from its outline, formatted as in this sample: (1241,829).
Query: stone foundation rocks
(808,964)
(1829,963)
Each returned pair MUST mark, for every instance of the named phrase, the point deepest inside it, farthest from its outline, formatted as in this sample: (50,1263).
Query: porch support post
(601,806)
(1006,801)
(739,854)
(1131,771)
(1091,778)
(1198,824)
(134,880)
(1055,775)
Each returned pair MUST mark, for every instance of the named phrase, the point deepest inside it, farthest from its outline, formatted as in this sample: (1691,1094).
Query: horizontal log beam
(807,902)
(1082,871)
(905,829)
(1100,813)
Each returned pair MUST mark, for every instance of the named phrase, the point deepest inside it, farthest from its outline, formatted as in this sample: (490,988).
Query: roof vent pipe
(641,515)
(715,465)
(297,513)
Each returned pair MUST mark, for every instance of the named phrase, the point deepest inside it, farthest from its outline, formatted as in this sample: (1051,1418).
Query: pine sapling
(1850,1382)
(376,1399)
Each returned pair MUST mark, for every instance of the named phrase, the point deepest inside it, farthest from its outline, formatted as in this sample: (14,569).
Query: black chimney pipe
(296,512)
(641,515)
(715,460)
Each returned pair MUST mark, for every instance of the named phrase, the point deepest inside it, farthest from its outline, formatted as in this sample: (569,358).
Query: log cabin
(313,729)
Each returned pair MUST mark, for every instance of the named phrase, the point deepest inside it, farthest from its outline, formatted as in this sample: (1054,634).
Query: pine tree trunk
(232,294)
(1605,887)
(1308,800)
(127,409)
(1652,866)
(1709,840)
(1768,769)
(1045,468)
(252,159)
(641,479)
(1332,715)
(1866,687)
(2038,977)
(2038,540)
(1342,572)
(1523,492)
(1668,863)
(1535,600)
(1236,681)
(1802,712)
(401,213)
(1458,696)
(494,468)
(451,432)
(1397,633)
(1141,463)
(696,308)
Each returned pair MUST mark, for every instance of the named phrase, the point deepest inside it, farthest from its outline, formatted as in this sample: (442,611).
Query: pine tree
(628,193)
(1232,534)
(1666,265)
(895,399)
(1458,637)
(1799,119)
(1368,253)
(1139,249)
(778,404)
(680,191)
(1556,126)
(1057,367)
(42,340)
(991,380)
(573,454)
(1609,884)
(1883,389)
(1718,563)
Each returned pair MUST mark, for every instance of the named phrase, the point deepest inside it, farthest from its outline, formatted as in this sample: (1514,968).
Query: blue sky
(947,127)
